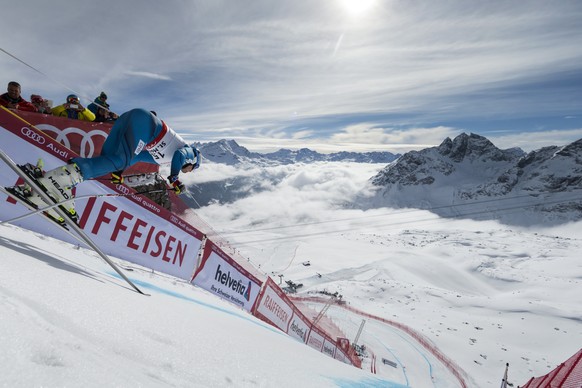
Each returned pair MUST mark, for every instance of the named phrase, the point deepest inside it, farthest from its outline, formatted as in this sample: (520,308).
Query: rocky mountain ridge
(231,153)
(469,175)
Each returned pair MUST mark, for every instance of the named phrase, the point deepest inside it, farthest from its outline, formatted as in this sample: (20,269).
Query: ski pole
(76,228)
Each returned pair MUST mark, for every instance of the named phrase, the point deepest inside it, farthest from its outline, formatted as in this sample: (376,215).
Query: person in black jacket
(100,108)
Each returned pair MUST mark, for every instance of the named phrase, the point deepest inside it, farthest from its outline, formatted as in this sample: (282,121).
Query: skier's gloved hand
(177,186)
(116,177)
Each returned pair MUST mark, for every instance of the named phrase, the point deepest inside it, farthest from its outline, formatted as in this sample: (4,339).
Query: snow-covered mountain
(469,176)
(231,153)
(227,152)
(252,172)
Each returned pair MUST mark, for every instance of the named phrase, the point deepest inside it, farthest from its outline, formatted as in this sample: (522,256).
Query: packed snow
(483,293)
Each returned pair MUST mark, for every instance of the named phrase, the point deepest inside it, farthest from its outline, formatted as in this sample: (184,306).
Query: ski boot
(59,184)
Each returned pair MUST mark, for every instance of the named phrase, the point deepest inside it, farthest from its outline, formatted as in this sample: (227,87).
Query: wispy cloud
(364,133)
(247,70)
(532,141)
(146,74)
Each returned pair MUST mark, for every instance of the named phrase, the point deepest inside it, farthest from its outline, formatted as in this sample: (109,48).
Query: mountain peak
(472,147)
(470,169)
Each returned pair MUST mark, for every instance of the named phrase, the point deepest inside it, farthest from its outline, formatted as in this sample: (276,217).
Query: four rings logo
(33,135)
(123,189)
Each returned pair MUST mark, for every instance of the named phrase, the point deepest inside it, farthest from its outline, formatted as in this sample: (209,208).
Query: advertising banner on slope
(316,338)
(138,230)
(343,347)
(274,307)
(329,347)
(299,326)
(221,275)
(129,227)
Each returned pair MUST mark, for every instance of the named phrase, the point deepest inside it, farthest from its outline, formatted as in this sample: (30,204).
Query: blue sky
(331,75)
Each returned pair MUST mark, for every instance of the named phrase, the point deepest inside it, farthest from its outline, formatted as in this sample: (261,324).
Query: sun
(357,7)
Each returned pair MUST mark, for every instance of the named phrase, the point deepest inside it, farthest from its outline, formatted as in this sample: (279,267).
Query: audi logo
(122,189)
(34,136)
(87,146)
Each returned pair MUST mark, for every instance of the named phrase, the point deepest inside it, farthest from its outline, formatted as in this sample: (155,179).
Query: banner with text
(123,224)
(221,275)
(276,308)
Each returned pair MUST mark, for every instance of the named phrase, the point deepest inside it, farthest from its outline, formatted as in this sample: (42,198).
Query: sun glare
(357,7)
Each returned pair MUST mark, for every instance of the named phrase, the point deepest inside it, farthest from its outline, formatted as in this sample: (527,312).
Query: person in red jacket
(13,100)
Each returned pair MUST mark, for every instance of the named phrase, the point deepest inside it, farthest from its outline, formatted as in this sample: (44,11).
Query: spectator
(100,108)
(42,105)
(73,109)
(105,116)
(13,100)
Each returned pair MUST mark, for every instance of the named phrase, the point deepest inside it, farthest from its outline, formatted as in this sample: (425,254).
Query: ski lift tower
(355,343)
(323,310)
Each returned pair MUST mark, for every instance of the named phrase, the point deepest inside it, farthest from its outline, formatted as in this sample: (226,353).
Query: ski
(63,213)
(13,193)
(34,173)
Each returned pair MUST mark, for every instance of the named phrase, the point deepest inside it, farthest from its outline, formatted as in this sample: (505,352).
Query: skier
(137,136)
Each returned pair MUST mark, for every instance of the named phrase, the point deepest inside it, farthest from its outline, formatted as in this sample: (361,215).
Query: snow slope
(483,293)
(68,321)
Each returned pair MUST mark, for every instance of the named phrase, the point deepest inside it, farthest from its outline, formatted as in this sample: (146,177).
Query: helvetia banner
(221,275)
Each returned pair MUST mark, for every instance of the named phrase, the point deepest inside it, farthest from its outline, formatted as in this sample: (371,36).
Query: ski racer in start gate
(137,136)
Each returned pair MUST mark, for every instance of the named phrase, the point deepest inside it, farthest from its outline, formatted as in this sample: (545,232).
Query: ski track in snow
(485,293)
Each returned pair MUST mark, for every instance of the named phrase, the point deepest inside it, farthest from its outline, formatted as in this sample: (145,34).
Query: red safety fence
(427,344)
(567,375)
(324,322)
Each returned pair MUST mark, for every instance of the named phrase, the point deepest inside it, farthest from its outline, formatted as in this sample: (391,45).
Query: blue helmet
(192,158)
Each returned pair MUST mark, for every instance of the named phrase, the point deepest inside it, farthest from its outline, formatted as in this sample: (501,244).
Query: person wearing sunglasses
(73,109)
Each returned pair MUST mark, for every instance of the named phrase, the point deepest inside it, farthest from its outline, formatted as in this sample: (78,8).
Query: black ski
(21,198)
